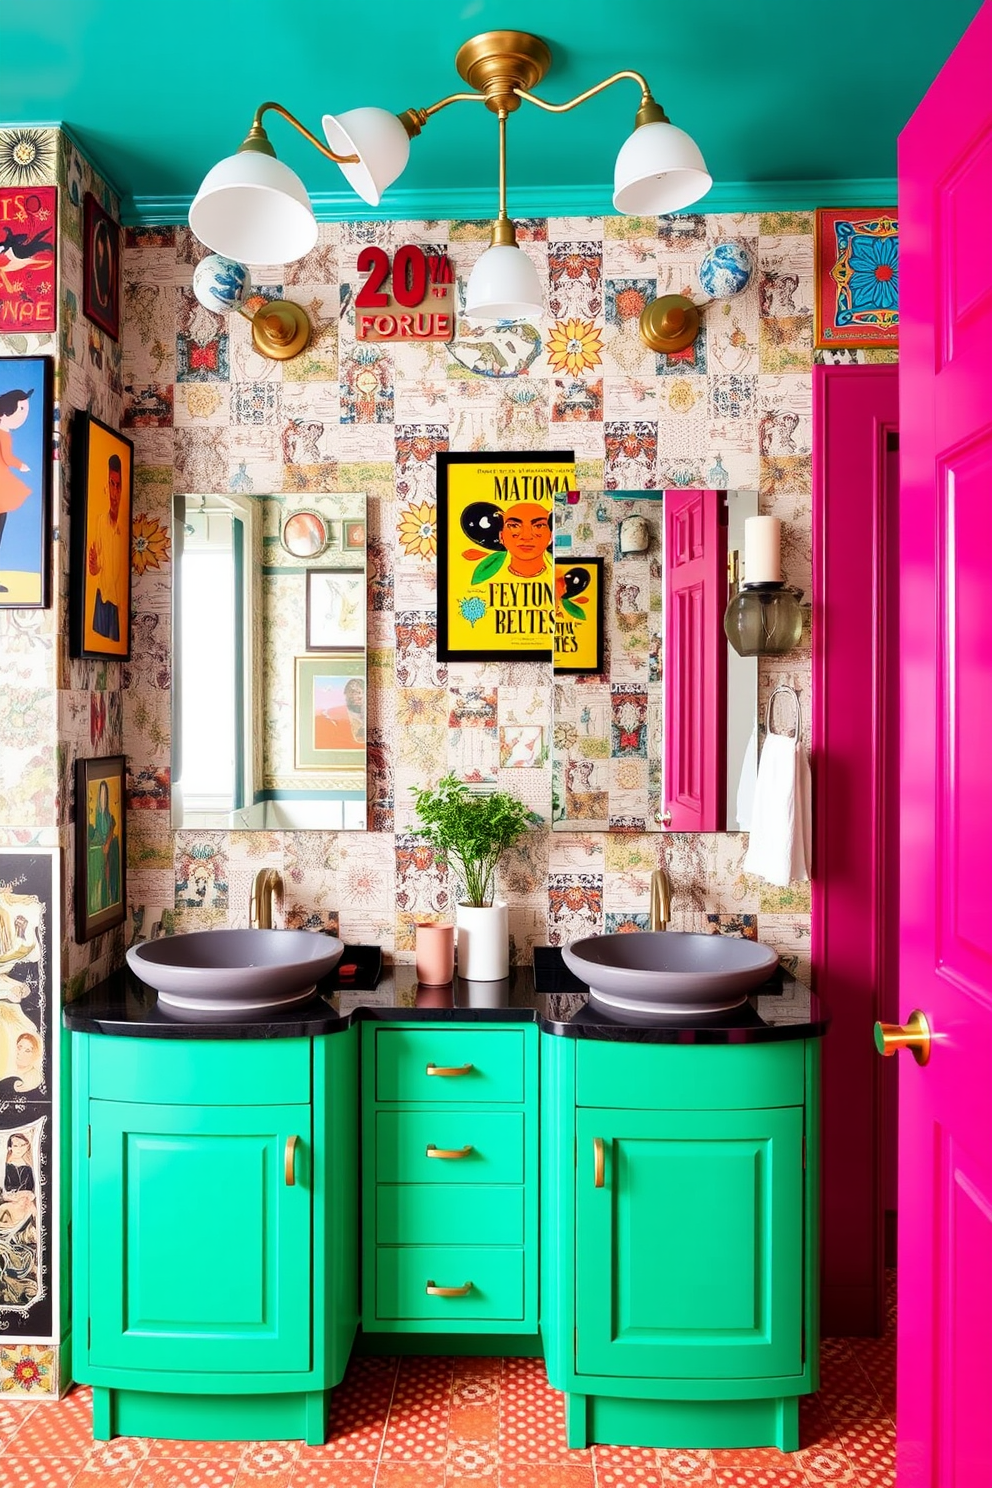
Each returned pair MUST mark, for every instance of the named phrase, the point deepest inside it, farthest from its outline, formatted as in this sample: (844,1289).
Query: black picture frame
(476,580)
(589,666)
(26,522)
(100,549)
(101,845)
(101,268)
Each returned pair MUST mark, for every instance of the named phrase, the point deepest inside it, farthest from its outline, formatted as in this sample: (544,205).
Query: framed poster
(578,615)
(100,845)
(856,288)
(26,416)
(330,712)
(335,609)
(27,242)
(100,562)
(495,536)
(29,979)
(101,267)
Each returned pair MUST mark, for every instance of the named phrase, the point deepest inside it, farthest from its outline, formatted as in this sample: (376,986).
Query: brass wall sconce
(669,323)
(279,329)
(253,208)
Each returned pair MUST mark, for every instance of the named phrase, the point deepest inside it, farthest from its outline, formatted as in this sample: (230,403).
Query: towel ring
(790,692)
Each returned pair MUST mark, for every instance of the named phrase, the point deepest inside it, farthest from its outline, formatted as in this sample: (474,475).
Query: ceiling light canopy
(252,208)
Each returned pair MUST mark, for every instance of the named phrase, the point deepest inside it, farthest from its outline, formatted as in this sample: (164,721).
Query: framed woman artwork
(100,845)
(25,482)
(495,559)
(330,712)
(100,562)
(578,616)
(101,267)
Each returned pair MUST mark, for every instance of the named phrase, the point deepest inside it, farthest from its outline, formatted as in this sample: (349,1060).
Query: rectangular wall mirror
(269,683)
(655,715)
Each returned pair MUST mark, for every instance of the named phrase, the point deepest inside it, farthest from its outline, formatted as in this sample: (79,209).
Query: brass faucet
(660,911)
(264,892)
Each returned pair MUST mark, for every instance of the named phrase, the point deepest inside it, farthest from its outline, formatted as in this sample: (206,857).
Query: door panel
(200,1251)
(698,1228)
(945,1107)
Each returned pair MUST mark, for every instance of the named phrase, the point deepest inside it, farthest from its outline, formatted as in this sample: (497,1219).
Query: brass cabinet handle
(436,1291)
(914,1036)
(433,1151)
(598,1162)
(289,1161)
(449,1069)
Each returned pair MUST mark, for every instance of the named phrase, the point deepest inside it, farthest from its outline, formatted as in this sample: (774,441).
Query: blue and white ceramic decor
(726,270)
(220,284)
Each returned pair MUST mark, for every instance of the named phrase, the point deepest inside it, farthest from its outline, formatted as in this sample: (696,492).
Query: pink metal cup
(435,954)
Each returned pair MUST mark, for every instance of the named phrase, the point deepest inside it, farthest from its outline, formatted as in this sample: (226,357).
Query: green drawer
(700,1077)
(471,1065)
(443,1214)
(496,1276)
(404,1141)
(208,1072)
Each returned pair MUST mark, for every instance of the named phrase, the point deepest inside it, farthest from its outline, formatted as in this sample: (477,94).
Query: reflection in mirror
(663,735)
(269,691)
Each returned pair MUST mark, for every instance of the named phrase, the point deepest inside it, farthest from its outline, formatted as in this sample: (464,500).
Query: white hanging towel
(781,825)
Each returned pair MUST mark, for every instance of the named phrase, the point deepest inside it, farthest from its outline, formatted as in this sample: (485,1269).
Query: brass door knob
(914,1036)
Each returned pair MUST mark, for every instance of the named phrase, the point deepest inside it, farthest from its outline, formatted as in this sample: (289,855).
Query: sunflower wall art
(857,277)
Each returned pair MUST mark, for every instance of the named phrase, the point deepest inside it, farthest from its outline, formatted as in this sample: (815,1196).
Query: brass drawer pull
(449,1069)
(436,1291)
(598,1162)
(289,1162)
(433,1151)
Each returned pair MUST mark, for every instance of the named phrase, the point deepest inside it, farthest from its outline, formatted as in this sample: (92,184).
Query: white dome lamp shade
(659,168)
(504,284)
(381,141)
(254,209)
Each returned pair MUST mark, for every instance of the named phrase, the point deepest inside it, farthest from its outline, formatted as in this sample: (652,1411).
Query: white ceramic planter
(483,942)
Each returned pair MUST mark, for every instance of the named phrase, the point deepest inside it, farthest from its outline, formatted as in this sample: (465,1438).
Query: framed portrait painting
(100,845)
(26,417)
(331,726)
(101,268)
(578,616)
(100,562)
(856,292)
(336,602)
(495,536)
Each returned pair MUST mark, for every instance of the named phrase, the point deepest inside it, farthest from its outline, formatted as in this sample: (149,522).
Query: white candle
(762,550)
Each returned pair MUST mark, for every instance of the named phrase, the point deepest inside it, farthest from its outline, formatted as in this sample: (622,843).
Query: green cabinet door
(200,1256)
(689,1243)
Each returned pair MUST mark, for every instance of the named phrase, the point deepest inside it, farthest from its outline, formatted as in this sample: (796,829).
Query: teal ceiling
(791,104)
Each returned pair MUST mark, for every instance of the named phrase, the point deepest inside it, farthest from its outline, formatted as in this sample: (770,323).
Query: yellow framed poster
(495,550)
(578,615)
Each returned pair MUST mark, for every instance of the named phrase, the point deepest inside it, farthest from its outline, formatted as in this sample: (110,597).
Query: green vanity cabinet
(450,1179)
(215,1232)
(680,1224)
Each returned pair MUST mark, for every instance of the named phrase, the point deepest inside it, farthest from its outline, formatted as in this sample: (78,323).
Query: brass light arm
(414,119)
(650,112)
(257,139)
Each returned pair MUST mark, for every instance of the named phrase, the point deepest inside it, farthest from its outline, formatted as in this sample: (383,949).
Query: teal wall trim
(561,201)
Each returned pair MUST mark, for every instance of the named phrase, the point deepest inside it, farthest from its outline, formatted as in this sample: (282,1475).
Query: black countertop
(124,1006)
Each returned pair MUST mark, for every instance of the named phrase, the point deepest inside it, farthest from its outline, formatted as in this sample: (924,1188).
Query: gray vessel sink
(669,971)
(235,971)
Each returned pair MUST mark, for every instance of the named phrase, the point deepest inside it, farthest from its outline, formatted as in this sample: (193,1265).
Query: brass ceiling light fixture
(253,208)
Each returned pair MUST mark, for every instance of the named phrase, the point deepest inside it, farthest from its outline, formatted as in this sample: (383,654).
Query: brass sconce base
(669,323)
(498,61)
(280,330)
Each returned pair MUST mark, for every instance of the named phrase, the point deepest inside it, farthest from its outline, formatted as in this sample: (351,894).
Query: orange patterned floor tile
(474,1422)
(51,1433)
(627,1467)
(759,1477)
(471,1460)
(195,1451)
(188,1472)
(826,1464)
(546,1475)
(314,1473)
(37,1472)
(410,1475)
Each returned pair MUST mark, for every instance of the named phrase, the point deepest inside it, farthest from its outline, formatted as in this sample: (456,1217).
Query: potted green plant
(471,831)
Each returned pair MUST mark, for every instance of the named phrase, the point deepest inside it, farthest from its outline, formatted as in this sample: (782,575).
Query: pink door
(945,1108)
(695,661)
